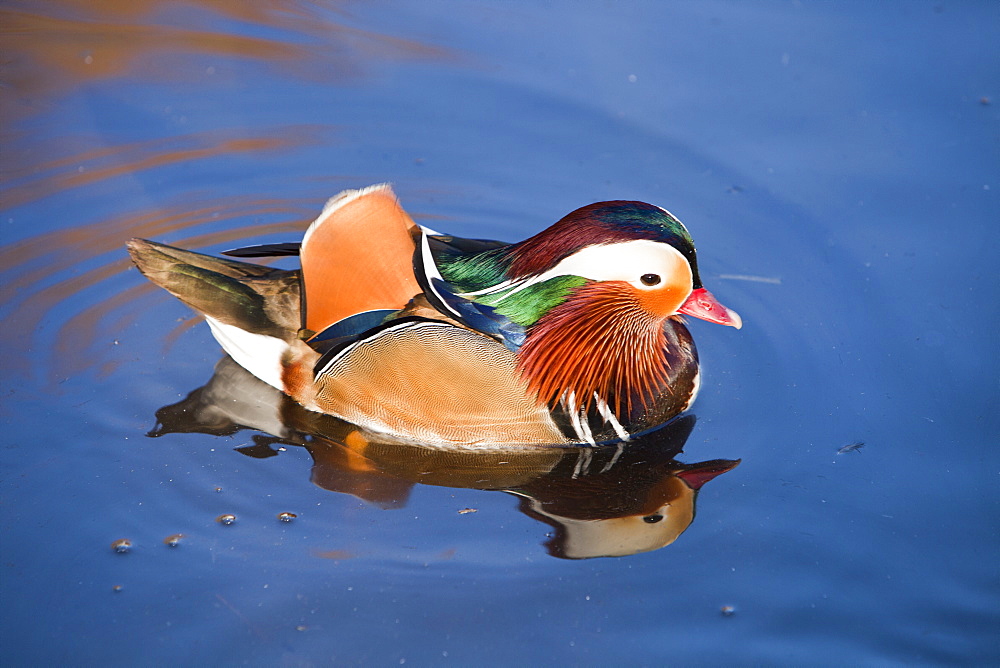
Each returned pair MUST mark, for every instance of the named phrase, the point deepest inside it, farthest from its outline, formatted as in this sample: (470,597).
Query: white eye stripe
(626,261)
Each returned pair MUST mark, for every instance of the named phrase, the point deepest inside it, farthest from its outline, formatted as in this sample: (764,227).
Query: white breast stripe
(609,417)
(431,272)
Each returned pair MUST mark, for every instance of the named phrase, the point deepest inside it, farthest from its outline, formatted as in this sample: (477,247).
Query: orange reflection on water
(55,46)
(28,181)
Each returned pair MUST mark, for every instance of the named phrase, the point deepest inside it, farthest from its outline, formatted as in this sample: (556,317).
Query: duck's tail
(254,311)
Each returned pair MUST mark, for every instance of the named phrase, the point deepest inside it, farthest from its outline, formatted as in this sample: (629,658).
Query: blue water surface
(837,164)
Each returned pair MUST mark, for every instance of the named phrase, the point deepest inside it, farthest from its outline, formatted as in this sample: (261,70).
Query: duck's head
(627,243)
(593,291)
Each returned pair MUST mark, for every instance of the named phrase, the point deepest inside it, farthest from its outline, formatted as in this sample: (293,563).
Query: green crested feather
(471,273)
(526,306)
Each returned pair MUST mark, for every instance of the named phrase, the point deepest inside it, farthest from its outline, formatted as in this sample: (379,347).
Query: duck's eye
(650,279)
(652,519)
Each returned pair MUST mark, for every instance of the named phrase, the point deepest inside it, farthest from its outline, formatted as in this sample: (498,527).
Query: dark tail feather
(252,297)
(266,250)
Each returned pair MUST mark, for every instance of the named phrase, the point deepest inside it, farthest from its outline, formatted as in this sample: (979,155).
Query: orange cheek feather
(663,302)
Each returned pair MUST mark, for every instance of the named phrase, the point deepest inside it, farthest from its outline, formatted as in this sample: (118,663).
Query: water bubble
(122,545)
(226,519)
(287,517)
(173,541)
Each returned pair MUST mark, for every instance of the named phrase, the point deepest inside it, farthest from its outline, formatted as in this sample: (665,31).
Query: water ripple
(57,46)
(27,181)
(41,274)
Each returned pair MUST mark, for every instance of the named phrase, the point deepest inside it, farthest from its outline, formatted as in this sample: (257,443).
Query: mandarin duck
(573,335)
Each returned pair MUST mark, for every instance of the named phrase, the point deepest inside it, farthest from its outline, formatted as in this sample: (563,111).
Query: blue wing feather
(480,317)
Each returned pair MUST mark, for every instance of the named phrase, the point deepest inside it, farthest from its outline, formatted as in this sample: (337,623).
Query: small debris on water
(287,517)
(465,511)
(727,610)
(773,280)
(851,447)
(226,519)
(335,555)
(122,545)
(173,541)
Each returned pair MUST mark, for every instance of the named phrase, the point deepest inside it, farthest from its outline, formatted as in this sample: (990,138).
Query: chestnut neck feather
(599,341)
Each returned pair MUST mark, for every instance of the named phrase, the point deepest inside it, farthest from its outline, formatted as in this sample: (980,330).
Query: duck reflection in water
(601,501)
